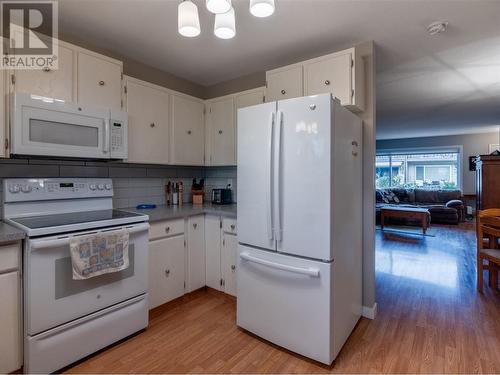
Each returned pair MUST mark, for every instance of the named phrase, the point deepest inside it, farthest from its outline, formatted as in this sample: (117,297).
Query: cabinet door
(148,117)
(10,313)
(249,98)
(220,122)
(284,84)
(52,83)
(99,81)
(196,252)
(188,133)
(213,251)
(229,262)
(166,270)
(333,74)
(3,113)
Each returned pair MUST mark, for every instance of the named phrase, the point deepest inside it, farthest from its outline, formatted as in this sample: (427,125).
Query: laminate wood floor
(430,320)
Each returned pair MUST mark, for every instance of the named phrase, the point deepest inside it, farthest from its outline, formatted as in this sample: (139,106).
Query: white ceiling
(426,85)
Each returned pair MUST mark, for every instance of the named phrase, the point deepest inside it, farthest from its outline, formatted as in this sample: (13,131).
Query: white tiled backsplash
(131,191)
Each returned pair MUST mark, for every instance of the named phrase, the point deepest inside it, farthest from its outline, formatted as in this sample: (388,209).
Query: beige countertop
(163,212)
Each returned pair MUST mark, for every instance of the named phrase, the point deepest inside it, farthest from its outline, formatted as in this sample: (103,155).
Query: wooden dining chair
(488,227)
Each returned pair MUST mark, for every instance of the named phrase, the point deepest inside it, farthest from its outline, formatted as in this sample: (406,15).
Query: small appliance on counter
(222,196)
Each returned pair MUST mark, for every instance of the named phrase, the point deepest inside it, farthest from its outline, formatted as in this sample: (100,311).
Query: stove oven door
(53,298)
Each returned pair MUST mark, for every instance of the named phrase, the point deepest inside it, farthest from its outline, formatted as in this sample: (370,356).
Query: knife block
(198,196)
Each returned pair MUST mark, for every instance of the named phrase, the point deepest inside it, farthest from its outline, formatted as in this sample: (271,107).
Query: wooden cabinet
(284,83)
(10,309)
(229,262)
(220,132)
(487,182)
(196,252)
(166,270)
(52,83)
(340,73)
(148,127)
(187,143)
(213,244)
(99,80)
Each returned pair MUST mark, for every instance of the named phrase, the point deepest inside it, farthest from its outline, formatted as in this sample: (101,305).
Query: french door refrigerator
(299,279)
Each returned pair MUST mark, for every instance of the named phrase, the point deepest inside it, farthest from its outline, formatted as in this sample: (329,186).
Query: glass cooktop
(56,220)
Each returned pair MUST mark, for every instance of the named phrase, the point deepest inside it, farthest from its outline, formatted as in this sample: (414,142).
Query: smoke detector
(437,27)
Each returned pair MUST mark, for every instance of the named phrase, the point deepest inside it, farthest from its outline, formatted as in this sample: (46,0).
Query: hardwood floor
(430,320)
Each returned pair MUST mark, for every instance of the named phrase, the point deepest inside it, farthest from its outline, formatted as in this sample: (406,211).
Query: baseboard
(370,312)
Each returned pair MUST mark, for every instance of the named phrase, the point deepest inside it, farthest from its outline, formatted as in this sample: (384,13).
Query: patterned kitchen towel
(97,254)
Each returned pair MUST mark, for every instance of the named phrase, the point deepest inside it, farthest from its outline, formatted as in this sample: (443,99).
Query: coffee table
(419,214)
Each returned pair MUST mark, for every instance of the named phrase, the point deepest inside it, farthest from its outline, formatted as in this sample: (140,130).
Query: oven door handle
(43,244)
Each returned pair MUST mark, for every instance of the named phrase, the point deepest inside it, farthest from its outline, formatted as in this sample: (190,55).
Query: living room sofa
(445,206)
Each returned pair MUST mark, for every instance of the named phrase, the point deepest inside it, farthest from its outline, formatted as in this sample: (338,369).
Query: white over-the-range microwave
(51,127)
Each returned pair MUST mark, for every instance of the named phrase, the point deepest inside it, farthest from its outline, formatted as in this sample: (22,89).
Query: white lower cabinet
(10,309)
(196,253)
(166,269)
(229,259)
(213,241)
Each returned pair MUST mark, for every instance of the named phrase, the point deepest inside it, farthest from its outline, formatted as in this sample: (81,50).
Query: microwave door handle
(106,140)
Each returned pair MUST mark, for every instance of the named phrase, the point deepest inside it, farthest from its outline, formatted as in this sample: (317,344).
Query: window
(432,170)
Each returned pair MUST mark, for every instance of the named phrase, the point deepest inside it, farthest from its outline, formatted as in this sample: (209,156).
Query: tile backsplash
(133,183)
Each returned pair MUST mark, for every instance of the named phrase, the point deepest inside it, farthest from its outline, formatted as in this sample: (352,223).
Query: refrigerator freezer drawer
(287,301)
(54,349)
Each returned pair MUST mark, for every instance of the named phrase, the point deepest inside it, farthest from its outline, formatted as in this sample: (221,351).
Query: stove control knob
(92,187)
(26,188)
(14,189)
(108,186)
(100,187)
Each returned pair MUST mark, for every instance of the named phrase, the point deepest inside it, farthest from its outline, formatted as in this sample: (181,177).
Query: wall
(133,183)
(472,144)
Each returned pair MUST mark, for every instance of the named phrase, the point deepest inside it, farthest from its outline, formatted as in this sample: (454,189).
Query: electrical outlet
(230,182)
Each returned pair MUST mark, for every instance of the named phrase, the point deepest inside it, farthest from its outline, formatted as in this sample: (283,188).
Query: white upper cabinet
(220,132)
(249,98)
(330,74)
(284,83)
(148,122)
(99,80)
(51,83)
(337,74)
(187,142)
(341,73)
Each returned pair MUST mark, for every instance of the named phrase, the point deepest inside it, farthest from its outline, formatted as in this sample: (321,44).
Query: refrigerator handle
(269,194)
(309,271)
(277,179)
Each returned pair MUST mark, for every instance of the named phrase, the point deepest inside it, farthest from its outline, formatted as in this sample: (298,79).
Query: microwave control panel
(118,135)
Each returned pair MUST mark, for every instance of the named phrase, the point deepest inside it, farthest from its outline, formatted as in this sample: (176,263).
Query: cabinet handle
(233,226)
(327,82)
(220,131)
(46,69)
(167,273)
(283,92)
(195,225)
(102,83)
(167,229)
(189,132)
(152,125)
(233,267)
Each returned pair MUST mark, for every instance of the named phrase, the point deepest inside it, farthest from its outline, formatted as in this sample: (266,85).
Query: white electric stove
(65,319)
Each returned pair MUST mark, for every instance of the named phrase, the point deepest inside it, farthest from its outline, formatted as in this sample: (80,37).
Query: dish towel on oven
(97,254)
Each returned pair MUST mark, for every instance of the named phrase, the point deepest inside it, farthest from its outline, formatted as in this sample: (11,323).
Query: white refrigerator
(299,278)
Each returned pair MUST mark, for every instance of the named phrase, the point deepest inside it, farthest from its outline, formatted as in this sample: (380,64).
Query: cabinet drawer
(166,228)
(9,257)
(229,226)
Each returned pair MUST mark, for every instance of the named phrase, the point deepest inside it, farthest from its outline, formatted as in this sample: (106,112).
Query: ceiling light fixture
(188,19)
(437,27)
(225,25)
(262,8)
(218,6)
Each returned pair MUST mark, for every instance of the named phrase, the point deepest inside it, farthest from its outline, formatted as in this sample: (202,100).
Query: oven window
(63,134)
(66,286)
